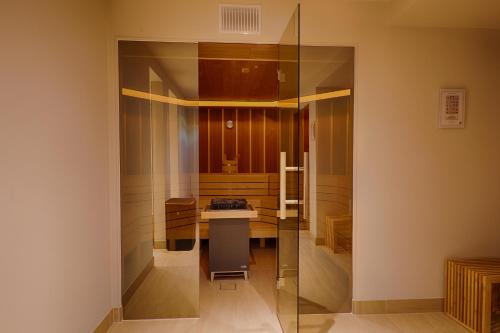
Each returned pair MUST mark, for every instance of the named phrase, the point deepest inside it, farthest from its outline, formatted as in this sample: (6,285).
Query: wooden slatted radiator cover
(472,293)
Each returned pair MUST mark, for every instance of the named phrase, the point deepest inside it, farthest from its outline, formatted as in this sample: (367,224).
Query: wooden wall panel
(243,140)
(229,133)
(288,133)
(238,51)
(239,72)
(227,79)
(215,123)
(258,140)
(203,140)
(272,140)
(254,139)
(305,128)
(334,160)
(214,79)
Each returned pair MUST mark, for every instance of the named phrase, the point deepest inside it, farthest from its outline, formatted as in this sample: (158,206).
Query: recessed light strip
(287,103)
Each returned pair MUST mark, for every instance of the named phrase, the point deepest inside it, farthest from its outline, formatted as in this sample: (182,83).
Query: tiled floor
(169,290)
(339,323)
(325,278)
(232,305)
(249,306)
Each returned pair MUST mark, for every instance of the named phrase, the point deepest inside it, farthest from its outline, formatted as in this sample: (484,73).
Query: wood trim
(264,120)
(113,316)
(160,244)
(234,178)
(117,314)
(236,124)
(250,139)
(398,306)
(138,281)
(229,214)
(223,134)
(209,143)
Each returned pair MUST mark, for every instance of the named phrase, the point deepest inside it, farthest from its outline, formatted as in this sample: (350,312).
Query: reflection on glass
(289,137)
(159,158)
(160,168)
(325,241)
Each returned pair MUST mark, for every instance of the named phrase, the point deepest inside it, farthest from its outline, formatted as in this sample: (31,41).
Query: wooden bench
(261,190)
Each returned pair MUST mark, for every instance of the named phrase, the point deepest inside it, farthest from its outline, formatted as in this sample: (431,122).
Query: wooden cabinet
(180,223)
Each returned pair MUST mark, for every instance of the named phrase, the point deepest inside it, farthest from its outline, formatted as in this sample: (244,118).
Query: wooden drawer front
(176,207)
(182,232)
(181,214)
(180,222)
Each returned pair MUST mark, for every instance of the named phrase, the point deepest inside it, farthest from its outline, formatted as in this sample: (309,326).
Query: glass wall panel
(325,240)
(288,225)
(159,170)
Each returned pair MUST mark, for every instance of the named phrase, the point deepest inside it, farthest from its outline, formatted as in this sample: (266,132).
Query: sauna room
(232,184)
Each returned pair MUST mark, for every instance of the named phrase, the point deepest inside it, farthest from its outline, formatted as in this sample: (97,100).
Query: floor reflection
(169,290)
(325,279)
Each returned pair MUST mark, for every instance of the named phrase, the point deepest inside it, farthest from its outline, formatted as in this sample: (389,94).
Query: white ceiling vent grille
(240,19)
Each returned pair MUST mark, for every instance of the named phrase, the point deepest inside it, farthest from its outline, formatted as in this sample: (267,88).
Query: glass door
(290,171)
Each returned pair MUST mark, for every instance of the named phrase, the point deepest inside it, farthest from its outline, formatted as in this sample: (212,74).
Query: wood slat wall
(258,189)
(215,141)
(254,139)
(204,141)
(333,195)
(333,160)
(338,234)
(237,71)
(241,72)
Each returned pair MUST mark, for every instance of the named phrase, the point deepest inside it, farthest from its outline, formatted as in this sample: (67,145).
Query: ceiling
(180,63)
(179,60)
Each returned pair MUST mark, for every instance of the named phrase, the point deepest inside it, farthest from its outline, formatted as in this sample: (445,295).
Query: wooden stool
(472,293)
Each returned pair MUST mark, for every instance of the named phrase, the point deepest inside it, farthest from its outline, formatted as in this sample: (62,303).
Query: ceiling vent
(240,19)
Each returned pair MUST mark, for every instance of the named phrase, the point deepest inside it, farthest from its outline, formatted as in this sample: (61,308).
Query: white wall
(424,194)
(195,20)
(421,194)
(54,238)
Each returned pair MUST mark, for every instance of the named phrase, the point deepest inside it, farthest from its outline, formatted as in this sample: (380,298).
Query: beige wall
(54,239)
(421,194)
(424,194)
(196,20)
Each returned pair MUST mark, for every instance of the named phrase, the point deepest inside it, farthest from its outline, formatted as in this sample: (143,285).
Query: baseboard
(138,281)
(114,315)
(398,306)
(160,245)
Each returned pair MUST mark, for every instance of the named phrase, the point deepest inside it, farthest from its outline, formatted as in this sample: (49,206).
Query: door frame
(113,112)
